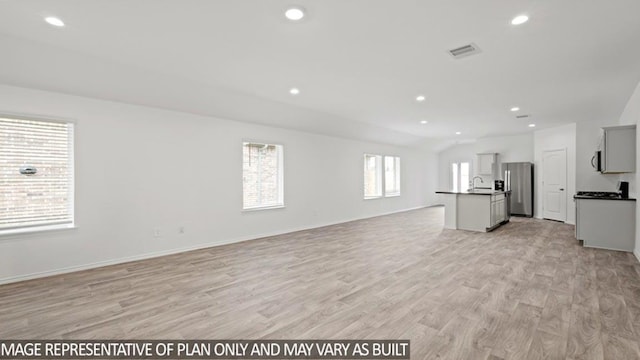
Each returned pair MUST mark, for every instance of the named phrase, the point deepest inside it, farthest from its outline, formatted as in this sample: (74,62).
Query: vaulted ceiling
(359,64)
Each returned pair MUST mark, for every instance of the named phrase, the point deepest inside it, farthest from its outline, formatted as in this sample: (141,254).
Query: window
(460,176)
(374,182)
(36,172)
(372,176)
(262,185)
(454,177)
(391,176)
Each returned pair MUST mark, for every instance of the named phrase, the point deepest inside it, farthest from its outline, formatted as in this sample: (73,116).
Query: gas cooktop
(599,194)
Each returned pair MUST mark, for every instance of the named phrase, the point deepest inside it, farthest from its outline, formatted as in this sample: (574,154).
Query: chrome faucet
(473,182)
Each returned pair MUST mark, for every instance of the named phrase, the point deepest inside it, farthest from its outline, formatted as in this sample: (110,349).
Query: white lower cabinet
(501,210)
(606,224)
(498,209)
(494,213)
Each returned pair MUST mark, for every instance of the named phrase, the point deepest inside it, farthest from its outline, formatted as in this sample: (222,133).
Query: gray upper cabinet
(486,163)
(619,150)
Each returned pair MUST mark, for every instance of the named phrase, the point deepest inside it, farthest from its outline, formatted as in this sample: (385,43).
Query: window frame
(458,163)
(73,224)
(397,174)
(379,174)
(281,202)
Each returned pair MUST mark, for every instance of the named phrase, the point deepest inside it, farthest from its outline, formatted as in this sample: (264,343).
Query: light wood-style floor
(525,291)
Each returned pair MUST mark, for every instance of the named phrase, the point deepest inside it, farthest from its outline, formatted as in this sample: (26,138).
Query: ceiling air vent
(463,51)
(522,116)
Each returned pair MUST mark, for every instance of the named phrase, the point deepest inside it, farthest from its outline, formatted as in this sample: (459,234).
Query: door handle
(561,189)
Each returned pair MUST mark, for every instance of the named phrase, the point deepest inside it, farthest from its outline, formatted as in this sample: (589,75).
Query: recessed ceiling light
(54,21)
(420,98)
(532,125)
(423,122)
(515,108)
(294,13)
(520,19)
(294,91)
(458,133)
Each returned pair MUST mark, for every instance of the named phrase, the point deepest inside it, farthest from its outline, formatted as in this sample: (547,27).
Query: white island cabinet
(475,210)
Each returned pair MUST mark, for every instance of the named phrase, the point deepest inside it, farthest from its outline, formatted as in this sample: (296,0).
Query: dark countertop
(478,192)
(582,197)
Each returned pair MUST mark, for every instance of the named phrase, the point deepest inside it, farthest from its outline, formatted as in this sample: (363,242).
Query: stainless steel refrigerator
(518,177)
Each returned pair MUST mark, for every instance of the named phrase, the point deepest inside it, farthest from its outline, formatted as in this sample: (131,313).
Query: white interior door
(554,184)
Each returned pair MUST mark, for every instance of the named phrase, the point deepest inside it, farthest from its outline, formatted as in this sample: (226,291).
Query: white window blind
(46,196)
(262,180)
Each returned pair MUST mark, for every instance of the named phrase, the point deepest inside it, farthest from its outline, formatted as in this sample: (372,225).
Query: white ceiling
(359,64)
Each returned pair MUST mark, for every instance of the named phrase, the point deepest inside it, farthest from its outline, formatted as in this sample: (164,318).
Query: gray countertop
(476,192)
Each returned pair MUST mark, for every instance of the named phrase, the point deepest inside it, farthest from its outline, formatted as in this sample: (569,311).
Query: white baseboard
(636,252)
(566,222)
(98,264)
(70,269)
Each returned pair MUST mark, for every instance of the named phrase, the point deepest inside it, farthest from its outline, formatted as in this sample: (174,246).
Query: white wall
(588,138)
(516,148)
(561,137)
(141,168)
(631,115)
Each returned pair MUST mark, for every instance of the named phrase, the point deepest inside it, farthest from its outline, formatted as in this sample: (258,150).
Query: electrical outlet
(181,230)
(156,232)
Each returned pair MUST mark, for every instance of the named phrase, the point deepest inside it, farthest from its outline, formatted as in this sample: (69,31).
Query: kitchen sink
(481,191)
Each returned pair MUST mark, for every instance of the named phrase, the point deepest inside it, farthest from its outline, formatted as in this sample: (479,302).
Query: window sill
(372,197)
(36,229)
(392,195)
(258,208)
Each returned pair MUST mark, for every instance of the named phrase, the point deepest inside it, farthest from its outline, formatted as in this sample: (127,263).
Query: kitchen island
(476,210)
